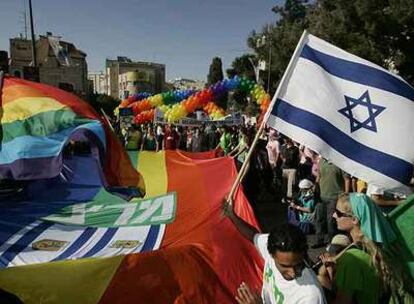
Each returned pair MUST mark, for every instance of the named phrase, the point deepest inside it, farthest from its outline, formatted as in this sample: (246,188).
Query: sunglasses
(341,214)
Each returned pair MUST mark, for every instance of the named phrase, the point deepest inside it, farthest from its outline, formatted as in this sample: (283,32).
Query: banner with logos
(233,119)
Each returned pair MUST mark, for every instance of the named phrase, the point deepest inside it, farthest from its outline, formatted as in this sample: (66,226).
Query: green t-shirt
(356,276)
(134,141)
(305,216)
(225,142)
(332,181)
(242,147)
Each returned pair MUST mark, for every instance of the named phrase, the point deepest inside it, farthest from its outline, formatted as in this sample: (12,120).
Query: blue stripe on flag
(358,72)
(22,243)
(46,146)
(105,239)
(80,241)
(386,164)
(151,238)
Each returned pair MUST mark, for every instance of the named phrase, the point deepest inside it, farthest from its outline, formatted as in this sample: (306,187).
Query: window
(68,87)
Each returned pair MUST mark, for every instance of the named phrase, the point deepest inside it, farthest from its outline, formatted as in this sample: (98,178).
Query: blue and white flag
(351,111)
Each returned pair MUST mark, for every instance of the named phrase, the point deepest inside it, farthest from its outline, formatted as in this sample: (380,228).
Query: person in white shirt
(376,193)
(286,277)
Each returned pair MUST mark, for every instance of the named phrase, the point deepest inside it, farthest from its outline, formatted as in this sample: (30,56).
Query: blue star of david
(363,101)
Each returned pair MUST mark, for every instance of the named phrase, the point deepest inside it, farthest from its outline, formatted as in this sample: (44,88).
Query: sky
(182,34)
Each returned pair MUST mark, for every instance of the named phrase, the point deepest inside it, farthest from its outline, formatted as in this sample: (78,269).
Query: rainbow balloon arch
(176,105)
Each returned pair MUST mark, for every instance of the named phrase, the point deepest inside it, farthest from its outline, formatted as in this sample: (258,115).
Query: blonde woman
(362,274)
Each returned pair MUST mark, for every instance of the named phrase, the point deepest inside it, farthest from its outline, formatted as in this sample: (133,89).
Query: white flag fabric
(58,50)
(351,111)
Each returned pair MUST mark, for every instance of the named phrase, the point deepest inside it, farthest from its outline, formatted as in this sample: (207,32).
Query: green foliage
(381,31)
(243,67)
(252,109)
(240,98)
(292,11)
(216,71)
(221,101)
(216,74)
(105,102)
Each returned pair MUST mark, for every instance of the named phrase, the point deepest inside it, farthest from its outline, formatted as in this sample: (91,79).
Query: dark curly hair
(287,238)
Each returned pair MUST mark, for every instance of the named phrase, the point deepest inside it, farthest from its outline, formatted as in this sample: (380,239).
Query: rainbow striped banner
(38,120)
(196,258)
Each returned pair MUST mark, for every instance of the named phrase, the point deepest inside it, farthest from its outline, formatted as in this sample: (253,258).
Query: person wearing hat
(305,207)
(366,272)
(339,242)
(325,270)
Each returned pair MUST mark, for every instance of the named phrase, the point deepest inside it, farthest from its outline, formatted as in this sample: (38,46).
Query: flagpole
(1,103)
(241,174)
(1,80)
(1,85)
(107,120)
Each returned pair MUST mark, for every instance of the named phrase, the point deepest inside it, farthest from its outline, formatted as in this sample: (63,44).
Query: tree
(381,31)
(377,30)
(252,109)
(216,74)
(292,11)
(281,39)
(243,67)
(105,102)
(240,98)
(216,71)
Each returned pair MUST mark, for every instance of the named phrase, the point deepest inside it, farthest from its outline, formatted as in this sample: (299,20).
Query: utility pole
(268,73)
(255,69)
(33,35)
(25,19)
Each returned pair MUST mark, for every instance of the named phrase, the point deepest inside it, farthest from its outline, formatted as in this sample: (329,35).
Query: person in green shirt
(240,151)
(225,140)
(362,273)
(332,182)
(134,139)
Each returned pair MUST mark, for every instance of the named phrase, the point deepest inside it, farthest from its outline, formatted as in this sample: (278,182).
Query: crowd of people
(227,140)
(344,213)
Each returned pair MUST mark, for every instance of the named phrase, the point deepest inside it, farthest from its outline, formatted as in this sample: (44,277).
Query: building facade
(126,77)
(98,82)
(60,63)
(187,84)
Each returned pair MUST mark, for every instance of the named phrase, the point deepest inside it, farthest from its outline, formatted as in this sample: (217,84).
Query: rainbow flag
(197,257)
(38,120)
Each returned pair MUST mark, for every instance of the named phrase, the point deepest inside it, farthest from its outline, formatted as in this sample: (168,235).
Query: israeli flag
(351,111)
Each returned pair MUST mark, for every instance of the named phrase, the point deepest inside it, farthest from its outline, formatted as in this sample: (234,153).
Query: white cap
(341,240)
(305,184)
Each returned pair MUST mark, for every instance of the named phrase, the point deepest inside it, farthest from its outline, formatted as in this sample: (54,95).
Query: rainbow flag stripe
(201,258)
(38,120)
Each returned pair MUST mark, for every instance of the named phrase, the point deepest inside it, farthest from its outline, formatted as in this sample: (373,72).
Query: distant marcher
(134,139)
(160,135)
(225,140)
(182,138)
(332,182)
(170,138)
(196,141)
(240,151)
(149,142)
(275,161)
(212,137)
(290,157)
